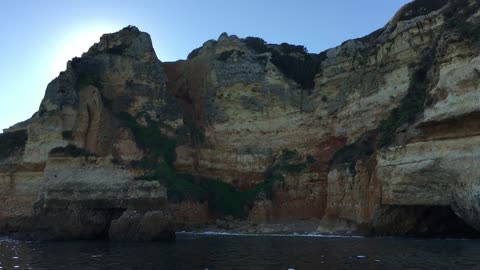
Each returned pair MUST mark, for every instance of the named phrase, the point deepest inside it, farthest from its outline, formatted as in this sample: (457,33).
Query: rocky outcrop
(375,136)
(67,179)
(142,226)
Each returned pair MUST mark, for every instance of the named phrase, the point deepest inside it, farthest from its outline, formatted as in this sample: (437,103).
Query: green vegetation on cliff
(226,54)
(457,14)
(421,7)
(158,165)
(361,149)
(194,53)
(150,139)
(86,79)
(223,198)
(11,142)
(67,134)
(412,104)
(117,50)
(287,162)
(72,151)
(293,60)
(87,72)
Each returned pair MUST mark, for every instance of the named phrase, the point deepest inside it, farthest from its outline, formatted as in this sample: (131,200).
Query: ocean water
(216,251)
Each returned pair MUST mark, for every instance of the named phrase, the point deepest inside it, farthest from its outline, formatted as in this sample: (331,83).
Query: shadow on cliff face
(96,219)
(73,223)
(62,224)
(422,221)
(59,220)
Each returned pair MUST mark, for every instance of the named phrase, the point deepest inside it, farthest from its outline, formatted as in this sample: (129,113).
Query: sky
(38,37)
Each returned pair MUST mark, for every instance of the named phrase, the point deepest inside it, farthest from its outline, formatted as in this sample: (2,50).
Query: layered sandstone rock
(76,191)
(378,135)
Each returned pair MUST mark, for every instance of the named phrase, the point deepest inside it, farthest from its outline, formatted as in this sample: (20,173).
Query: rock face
(63,178)
(376,136)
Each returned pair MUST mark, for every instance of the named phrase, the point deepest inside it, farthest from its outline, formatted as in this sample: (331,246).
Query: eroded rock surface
(68,179)
(376,136)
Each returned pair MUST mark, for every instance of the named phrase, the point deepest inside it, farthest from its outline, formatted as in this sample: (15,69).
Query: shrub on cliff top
(12,141)
(225,55)
(294,61)
(257,44)
(301,69)
(457,14)
(421,7)
(87,71)
(289,48)
(85,79)
(194,53)
(117,50)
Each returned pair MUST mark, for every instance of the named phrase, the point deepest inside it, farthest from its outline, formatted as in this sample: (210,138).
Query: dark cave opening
(422,221)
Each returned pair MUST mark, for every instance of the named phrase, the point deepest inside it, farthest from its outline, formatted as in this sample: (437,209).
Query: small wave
(213,233)
(8,239)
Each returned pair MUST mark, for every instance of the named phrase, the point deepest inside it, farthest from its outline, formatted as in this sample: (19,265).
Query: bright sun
(75,44)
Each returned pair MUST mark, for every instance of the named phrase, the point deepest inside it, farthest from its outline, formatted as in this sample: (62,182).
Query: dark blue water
(244,252)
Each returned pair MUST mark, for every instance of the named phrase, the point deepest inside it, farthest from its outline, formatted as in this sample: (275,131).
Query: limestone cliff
(59,176)
(377,135)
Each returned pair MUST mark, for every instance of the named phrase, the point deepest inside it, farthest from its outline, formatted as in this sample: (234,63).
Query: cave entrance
(423,221)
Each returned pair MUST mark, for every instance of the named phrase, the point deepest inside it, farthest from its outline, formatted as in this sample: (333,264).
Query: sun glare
(75,44)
